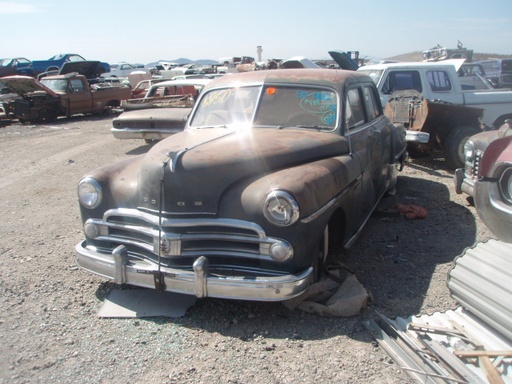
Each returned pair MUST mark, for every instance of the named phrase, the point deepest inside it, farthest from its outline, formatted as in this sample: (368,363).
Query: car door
(380,128)
(366,144)
(80,99)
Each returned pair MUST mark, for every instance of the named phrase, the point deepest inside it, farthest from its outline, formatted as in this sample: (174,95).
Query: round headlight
(505,184)
(469,150)
(280,208)
(89,193)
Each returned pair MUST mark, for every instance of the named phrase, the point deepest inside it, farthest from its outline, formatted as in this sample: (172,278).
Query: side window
(354,113)
(401,81)
(439,81)
(372,105)
(77,85)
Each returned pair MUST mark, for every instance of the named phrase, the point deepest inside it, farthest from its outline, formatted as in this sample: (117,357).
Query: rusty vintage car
(474,149)
(275,172)
(493,189)
(161,113)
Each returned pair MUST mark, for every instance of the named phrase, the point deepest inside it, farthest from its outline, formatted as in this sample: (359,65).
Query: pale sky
(147,31)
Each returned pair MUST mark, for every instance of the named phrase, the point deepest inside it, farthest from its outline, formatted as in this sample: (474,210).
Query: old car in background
(167,93)
(161,113)
(124,69)
(474,149)
(493,188)
(141,88)
(57,61)
(14,66)
(275,171)
(59,95)
(498,72)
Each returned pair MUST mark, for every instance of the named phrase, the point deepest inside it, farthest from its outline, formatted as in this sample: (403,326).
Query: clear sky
(147,31)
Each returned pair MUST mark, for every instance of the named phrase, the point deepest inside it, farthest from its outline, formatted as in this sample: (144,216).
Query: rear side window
(402,81)
(439,81)
(77,85)
(372,105)
(354,116)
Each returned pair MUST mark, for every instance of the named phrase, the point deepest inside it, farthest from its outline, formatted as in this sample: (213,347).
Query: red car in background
(493,188)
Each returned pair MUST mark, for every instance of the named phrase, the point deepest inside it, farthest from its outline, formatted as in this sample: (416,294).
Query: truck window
(354,114)
(77,85)
(401,81)
(370,99)
(439,81)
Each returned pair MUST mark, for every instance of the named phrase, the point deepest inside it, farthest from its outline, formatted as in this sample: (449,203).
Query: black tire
(454,146)
(320,260)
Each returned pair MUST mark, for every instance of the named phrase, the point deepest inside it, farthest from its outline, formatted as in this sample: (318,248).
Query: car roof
(415,64)
(300,76)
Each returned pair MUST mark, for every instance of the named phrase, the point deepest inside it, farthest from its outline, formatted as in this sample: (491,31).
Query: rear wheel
(454,146)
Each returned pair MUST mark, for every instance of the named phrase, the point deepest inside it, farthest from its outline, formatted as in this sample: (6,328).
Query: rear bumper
(198,282)
(417,137)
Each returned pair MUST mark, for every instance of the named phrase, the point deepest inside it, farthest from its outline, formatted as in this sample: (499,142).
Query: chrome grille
(182,237)
(474,165)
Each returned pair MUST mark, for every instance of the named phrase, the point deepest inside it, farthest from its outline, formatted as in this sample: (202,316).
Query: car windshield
(269,106)
(55,85)
(375,74)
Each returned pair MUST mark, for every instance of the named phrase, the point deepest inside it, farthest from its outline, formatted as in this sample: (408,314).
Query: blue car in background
(56,62)
(15,66)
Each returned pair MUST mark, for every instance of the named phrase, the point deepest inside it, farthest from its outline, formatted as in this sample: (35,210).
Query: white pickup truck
(440,81)
(439,108)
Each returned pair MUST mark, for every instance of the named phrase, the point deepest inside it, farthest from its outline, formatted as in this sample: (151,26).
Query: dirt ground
(50,331)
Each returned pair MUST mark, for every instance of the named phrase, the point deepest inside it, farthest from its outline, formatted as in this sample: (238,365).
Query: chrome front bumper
(199,282)
(463,183)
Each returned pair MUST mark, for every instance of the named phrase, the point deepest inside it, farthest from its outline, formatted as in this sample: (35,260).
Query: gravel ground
(49,326)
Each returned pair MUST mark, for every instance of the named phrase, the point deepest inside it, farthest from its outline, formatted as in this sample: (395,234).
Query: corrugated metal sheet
(429,347)
(425,346)
(481,281)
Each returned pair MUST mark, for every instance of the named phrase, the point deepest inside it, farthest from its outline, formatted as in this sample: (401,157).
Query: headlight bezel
(281,203)
(505,184)
(89,198)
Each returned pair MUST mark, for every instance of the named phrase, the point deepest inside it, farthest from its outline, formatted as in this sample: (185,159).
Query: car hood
(343,60)
(483,139)
(198,166)
(88,68)
(25,85)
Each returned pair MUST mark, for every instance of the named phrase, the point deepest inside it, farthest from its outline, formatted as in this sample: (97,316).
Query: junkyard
(237,232)
(49,323)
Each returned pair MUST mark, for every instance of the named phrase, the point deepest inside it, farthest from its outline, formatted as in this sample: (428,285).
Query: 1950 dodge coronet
(274,171)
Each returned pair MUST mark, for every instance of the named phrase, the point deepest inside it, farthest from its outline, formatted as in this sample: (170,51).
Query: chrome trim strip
(329,204)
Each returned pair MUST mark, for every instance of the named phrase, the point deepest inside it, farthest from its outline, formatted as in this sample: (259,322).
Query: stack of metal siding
(426,346)
(481,281)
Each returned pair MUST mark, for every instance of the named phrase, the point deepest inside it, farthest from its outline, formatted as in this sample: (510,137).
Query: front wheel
(454,146)
(319,263)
